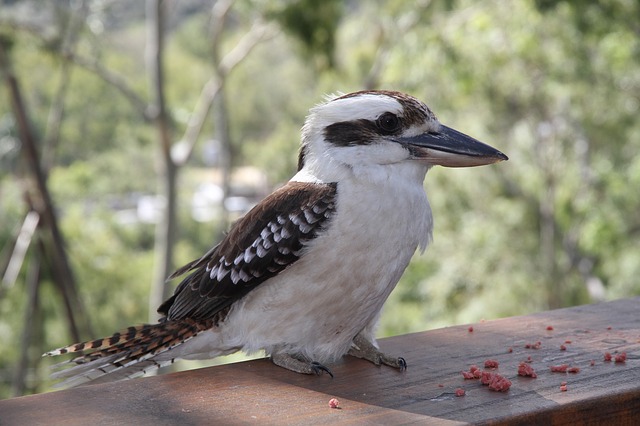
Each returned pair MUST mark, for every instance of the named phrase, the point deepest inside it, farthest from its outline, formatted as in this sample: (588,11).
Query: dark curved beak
(450,148)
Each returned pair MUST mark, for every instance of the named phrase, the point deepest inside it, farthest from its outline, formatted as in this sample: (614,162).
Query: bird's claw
(402,364)
(318,369)
(364,349)
(298,365)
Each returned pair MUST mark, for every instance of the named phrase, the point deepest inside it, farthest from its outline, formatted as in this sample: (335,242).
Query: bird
(304,274)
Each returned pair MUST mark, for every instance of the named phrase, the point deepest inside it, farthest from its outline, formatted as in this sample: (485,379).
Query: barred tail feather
(123,336)
(125,354)
(102,371)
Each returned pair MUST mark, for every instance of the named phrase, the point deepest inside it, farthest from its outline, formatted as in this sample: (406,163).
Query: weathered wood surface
(256,392)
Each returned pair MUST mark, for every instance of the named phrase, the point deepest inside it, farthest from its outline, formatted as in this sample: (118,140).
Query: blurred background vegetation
(155,124)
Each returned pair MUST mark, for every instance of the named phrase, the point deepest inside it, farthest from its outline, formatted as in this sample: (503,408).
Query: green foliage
(314,24)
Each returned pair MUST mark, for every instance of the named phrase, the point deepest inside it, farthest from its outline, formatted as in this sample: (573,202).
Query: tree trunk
(167,170)
(19,385)
(221,123)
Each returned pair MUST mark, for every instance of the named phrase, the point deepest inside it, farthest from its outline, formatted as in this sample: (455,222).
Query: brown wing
(259,246)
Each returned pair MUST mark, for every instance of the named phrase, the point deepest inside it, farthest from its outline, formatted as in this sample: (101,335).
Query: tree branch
(22,243)
(219,13)
(56,111)
(115,80)
(258,33)
(53,44)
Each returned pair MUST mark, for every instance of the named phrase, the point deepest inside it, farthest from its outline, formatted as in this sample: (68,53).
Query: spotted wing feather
(267,240)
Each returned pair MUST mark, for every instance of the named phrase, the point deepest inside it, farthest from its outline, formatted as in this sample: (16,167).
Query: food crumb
(470,329)
(621,357)
(473,373)
(607,356)
(563,348)
(535,345)
(526,370)
(563,388)
(510,350)
(460,392)
(334,403)
(568,342)
(573,370)
(495,381)
(559,368)
(468,375)
(549,328)
(440,385)
(491,363)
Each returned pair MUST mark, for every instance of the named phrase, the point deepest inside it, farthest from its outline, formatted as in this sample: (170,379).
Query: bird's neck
(401,174)
(393,192)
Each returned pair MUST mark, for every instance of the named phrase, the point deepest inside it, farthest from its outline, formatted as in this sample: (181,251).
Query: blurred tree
(43,216)
(212,94)
(156,111)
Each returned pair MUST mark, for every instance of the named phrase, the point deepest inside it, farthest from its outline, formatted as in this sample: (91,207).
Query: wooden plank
(256,392)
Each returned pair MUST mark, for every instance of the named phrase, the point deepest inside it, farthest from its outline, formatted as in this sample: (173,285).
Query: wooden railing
(257,392)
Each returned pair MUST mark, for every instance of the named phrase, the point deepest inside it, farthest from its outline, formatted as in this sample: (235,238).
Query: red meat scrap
(621,357)
(334,403)
(495,381)
(473,373)
(564,368)
(475,370)
(526,370)
(491,363)
(460,392)
(468,375)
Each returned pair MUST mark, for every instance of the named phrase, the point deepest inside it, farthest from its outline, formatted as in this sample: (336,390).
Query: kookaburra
(304,274)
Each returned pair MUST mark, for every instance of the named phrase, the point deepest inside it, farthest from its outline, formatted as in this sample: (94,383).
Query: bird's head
(375,129)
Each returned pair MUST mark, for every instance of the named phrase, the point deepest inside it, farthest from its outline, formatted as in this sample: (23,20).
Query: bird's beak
(450,148)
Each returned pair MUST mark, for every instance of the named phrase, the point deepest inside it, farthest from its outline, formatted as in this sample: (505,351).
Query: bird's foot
(363,348)
(299,366)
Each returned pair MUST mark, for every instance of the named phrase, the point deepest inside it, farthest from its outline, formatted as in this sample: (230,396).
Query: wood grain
(257,392)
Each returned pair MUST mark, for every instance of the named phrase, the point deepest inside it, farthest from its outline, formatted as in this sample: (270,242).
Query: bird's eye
(388,122)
